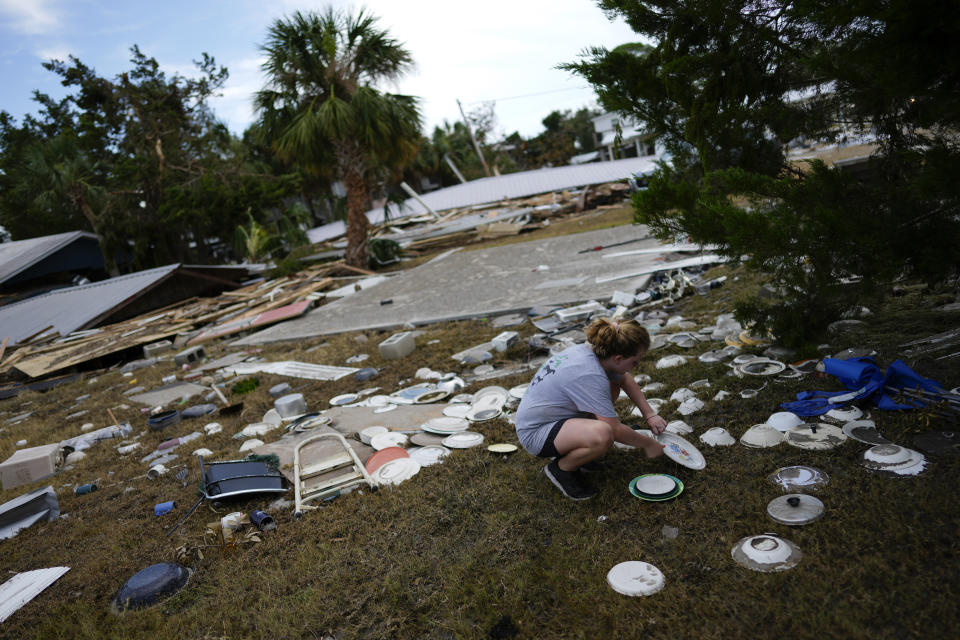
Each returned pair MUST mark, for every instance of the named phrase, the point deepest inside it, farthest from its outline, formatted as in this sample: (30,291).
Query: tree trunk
(357,223)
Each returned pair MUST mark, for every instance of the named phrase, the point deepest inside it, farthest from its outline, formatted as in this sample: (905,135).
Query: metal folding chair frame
(357,475)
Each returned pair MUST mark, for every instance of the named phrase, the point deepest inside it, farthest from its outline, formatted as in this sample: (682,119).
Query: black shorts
(549,450)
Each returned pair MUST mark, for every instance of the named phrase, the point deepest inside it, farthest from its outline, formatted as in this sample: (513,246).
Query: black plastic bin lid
(149,586)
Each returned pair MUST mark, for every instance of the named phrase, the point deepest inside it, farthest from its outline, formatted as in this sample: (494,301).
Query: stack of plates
(656,487)
(384,456)
(893,460)
(445,425)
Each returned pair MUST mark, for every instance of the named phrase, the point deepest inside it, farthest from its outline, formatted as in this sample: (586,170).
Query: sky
(499,50)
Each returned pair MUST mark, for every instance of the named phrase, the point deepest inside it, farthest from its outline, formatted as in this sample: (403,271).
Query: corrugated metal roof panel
(19,255)
(73,308)
(513,185)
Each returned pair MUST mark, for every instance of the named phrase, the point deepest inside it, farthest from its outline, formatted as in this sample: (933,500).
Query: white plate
(396,471)
(518,391)
(635,578)
(482,414)
(491,397)
(456,410)
(431,396)
(431,454)
(463,440)
(681,451)
(346,398)
(864,431)
(655,485)
(390,439)
(385,408)
(445,424)
(502,447)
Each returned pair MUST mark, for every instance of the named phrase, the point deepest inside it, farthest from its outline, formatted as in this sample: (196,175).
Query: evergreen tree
(728,85)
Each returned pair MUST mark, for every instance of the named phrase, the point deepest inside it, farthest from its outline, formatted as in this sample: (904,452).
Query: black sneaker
(568,482)
(594,466)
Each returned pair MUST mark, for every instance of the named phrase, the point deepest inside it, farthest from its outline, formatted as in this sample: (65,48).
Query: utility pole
(476,146)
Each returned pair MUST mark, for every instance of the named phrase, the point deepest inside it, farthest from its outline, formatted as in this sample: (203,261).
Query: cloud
(58,52)
(31,17)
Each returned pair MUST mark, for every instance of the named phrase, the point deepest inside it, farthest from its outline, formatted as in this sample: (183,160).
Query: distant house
(40,264)
(634,142)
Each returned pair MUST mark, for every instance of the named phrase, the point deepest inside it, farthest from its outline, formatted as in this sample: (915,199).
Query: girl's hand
(656,423)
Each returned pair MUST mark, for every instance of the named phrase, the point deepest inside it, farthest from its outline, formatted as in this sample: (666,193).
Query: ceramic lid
(766,553)
(799,477)
(383,456)
(864,431)
(428,455)
(389,439)
(681,451)
(717,436)
(463,440)
(815,437)
(795,509)
(396,471)
(635,578)
(761,436)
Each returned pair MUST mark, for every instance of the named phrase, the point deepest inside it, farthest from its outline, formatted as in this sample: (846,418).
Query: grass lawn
(483,545)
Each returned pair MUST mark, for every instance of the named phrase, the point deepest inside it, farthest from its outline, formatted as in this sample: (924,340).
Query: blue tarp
(865,381)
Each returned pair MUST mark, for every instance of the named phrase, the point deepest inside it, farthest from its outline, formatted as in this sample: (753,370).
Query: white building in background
(635,142)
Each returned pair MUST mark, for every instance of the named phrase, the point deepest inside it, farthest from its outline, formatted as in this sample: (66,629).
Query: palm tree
(320,108)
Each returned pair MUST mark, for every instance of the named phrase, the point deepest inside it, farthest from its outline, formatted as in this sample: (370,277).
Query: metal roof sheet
(83,306)
(73,308)
(19,255)
(512,185)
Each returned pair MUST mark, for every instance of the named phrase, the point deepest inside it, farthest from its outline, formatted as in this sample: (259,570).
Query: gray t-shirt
(571,384)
